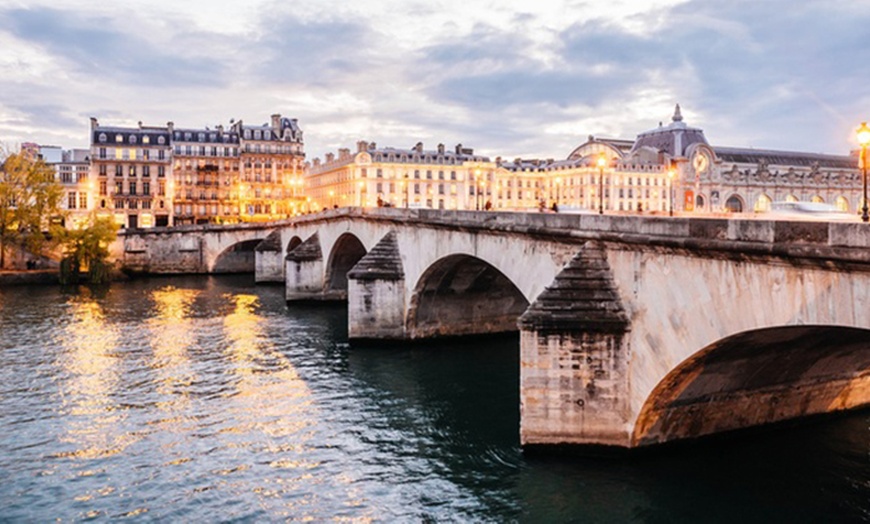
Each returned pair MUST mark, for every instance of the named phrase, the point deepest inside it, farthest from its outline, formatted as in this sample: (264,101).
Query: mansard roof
(137,133)
(744,155)
(205,136)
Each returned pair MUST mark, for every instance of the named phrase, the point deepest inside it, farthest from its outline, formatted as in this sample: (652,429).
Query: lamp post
(671,174)
(602,160)
(864,141)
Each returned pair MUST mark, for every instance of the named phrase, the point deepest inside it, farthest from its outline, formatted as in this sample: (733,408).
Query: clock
(701,162)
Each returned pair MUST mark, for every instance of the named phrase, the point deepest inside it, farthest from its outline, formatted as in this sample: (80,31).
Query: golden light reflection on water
(278,400)
(94,368)
(271,397)
(172,334)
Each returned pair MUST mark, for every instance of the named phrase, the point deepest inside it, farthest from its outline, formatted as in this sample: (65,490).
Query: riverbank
(28,277)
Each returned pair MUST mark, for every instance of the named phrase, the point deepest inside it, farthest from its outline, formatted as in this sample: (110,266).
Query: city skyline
(495,77)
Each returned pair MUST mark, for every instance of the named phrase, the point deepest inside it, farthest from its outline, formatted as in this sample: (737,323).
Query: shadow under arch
(238,258)
(759,377)
(464,295)
(293,244)
(346,252)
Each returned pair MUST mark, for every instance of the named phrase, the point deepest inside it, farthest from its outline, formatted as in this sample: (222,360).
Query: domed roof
(673,139)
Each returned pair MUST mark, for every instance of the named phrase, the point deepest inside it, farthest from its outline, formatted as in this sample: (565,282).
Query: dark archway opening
(348,250)
(293,244)
(759,377)
(463,295)
(238,258)
(734,204)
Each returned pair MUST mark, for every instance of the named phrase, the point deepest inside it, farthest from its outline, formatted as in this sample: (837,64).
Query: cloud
(97,47)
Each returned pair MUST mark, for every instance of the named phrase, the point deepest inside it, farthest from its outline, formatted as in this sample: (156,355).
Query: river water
(192,399)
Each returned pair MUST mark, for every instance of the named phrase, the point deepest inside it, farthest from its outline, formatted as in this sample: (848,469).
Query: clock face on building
(701,162)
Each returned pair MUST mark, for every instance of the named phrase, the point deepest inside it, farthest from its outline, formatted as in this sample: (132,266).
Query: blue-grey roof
(788,158)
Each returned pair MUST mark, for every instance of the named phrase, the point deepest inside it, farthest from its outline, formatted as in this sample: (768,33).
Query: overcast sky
(508,77)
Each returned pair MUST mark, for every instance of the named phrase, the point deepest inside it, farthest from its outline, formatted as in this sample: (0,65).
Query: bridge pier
(269,259)
(376,294)
(304,272)
(574,357)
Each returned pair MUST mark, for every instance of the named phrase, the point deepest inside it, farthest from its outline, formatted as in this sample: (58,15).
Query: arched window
(842,204)
(734,204)
(791,198)
(161,140)
(818,199)
(762,204)
(103,137)
(699,200)
(132,139)
(119,138)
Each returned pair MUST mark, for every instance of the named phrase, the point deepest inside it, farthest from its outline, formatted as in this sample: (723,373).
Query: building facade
(415,177)
(161,176)
(72,168)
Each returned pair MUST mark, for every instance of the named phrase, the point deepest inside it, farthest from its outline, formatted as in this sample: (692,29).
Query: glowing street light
(864,140)
(602,161)
(671,174)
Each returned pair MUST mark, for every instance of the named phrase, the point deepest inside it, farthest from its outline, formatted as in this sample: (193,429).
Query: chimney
(220,129)
(276,121)
(170,125)
(458,149)
(330,157)
(440,149)
(373,146)
(94,123)
(361,146)
(343,153)
(419,147)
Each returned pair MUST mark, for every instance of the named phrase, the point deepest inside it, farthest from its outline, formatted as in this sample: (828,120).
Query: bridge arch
(237,258)
(293,244)
(462,295)
(759,377)
(345,253)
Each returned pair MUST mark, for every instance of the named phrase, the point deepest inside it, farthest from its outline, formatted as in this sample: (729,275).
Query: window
(161,140)
(161,154)
(146,139)
(71,200)
(146,188)
(119,139)
(132,170)
(83,200)
(119,170)
(103,188)
(132,187)
(161,172)
(132,139)
(103,151)
(102,139)
(161,188)
(146,171)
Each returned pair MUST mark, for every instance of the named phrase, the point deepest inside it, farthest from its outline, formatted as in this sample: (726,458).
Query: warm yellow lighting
(671,174)
(863,135)
(602,160)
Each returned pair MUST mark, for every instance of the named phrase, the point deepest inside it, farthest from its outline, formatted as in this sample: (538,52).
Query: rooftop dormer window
(119,138)
(103,138)
(161,140)
(132,139)
(146,139)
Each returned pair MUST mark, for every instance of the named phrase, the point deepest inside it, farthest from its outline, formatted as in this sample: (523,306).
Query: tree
(29,198)
(87,247)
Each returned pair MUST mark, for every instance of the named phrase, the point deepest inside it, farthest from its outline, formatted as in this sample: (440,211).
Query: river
(209,399)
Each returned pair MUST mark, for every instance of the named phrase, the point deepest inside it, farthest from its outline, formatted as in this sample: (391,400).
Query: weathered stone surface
(309,250)
(270,243)
(383,262)
(581,298)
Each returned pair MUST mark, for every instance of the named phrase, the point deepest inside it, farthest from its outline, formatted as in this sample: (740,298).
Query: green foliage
(29,198)
(87,247)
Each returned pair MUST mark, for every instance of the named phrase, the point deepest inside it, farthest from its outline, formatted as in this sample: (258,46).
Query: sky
(509,78)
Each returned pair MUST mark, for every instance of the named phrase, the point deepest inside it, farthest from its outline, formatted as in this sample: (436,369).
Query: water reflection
(90,359)
(171,334)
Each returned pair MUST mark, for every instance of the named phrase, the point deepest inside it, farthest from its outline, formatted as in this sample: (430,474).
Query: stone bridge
(633,330)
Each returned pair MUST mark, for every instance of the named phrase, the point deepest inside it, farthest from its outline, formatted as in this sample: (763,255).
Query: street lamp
(864,141)
(671,174)
(602,161)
